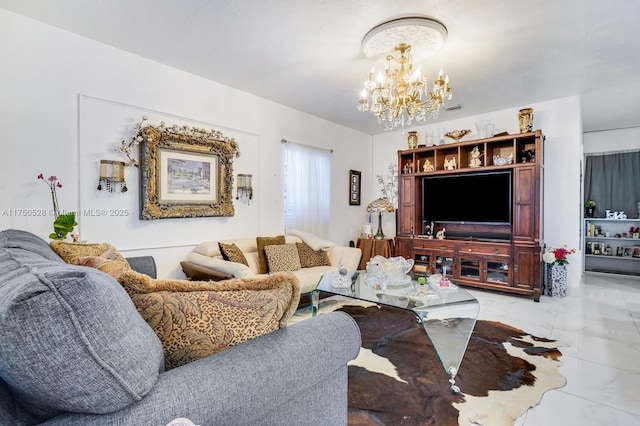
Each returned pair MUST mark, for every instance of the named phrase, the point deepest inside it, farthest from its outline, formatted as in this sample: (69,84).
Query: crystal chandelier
(402,95)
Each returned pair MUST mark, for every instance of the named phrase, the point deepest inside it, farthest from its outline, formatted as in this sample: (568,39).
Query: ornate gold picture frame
(185,172)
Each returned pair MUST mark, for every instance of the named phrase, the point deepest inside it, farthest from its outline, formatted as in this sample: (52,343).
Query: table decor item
(525,120)
(412,139)
(456,135)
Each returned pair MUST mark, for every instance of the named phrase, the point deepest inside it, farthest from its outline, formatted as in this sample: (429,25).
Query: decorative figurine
(499,161)
(510,158)
(475,158)
(440,234)
(450,164)
(427,166)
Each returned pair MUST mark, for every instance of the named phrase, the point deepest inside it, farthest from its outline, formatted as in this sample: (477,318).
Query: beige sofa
(206,262)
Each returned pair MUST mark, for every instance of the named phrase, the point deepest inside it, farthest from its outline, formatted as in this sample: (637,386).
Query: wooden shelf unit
(502,257)
(596,258)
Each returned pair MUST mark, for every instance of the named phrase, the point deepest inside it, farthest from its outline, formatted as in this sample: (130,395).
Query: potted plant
(63,222)
(589,208)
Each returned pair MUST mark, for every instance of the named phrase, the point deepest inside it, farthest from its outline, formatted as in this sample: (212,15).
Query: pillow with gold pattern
(282,257)
(262,242)
(310,257)
(70,252)
(232,253)
(195,319)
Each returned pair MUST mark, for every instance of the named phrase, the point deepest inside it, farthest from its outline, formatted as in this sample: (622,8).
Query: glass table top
(448,314)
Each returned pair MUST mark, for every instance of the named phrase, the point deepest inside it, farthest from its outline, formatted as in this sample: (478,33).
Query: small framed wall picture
(354,187)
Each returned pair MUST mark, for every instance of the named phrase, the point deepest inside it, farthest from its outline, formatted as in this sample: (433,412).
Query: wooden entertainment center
(495,256)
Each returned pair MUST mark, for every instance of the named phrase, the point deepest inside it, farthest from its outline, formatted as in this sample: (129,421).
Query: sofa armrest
(350,257)
(237,270)
(277,379)
(144,264)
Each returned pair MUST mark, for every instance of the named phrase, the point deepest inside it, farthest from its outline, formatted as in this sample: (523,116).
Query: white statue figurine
(427,166)
(450,164)
(440,234)
(475,158)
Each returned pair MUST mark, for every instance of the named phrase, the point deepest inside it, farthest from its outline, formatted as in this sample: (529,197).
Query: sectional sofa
(206,261)
(75,351)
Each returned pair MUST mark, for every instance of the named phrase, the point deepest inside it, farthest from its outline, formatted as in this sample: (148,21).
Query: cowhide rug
(397,379)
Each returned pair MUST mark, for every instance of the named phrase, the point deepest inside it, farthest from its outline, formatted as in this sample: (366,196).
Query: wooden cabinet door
(525,188)
(404,247)
(527,269)
(406,211)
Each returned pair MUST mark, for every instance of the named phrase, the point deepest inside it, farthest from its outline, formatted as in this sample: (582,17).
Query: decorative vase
(589,211)
(556,280)
(525,119)
(412,139)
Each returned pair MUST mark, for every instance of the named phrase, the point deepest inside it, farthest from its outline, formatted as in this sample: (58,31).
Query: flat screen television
(468,198)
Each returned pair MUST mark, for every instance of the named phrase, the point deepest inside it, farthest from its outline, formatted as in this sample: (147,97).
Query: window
(307,189)
(611,179)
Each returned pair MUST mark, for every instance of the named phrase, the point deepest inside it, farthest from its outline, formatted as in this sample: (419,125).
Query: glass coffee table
(448,314)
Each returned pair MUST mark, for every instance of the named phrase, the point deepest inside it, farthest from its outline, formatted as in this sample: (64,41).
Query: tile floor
(600,323)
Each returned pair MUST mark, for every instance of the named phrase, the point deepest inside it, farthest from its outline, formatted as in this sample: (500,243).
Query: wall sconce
(244,188)
(112,176)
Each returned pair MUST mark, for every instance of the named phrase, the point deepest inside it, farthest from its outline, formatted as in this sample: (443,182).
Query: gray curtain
(612,180)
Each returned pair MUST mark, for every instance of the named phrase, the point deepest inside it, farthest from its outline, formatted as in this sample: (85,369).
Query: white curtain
(307,189)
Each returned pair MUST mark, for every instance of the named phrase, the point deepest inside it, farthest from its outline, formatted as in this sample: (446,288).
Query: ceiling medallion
(399,96)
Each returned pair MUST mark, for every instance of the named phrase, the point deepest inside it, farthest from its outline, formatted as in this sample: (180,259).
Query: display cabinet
(612,246)
(502,255)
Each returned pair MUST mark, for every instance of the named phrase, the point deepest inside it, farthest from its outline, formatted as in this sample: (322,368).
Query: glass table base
(448,315)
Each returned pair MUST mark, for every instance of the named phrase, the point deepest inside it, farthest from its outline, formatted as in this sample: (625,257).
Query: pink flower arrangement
(557,255)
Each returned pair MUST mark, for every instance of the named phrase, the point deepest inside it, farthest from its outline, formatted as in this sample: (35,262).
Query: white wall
(612,140)
(560,122)
(67,102)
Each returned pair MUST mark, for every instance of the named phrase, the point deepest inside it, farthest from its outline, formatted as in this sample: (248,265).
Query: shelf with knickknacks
(407,168)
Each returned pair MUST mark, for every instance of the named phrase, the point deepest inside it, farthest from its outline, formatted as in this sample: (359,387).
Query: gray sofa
(74,351)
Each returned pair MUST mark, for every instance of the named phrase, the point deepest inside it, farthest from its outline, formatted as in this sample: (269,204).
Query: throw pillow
(232,253)
(283,257)
(71,338)
(71,252)
(310,258)
(194,319)
(262,242)
(110,262)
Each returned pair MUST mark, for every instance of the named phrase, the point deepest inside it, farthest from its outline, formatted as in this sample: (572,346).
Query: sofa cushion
(71,337)
(71,252)
(110,262)
(23,240)
(262,242)
(282,257)
(310,257)
(194,319)
(232,253)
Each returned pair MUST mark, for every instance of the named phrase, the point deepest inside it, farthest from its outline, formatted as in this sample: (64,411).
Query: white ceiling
(306,53)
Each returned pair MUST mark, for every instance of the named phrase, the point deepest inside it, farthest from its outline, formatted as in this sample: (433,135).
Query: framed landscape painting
(185,172)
